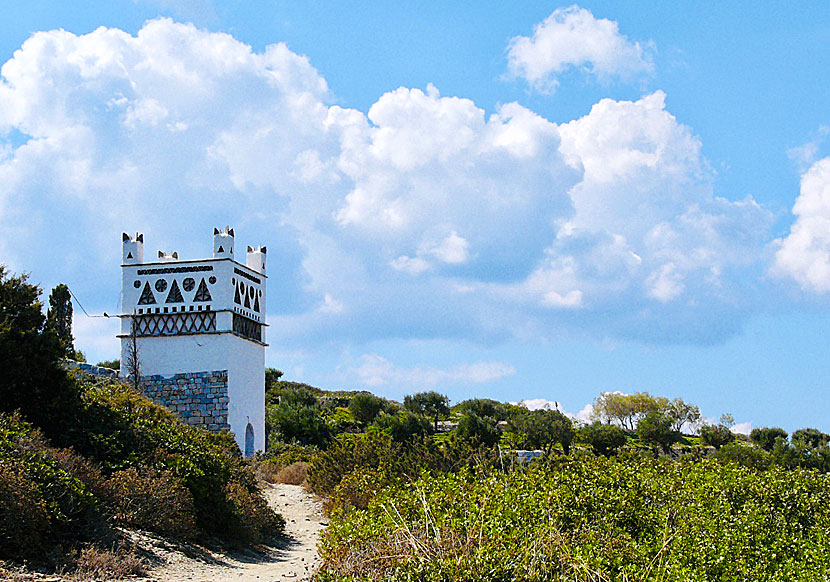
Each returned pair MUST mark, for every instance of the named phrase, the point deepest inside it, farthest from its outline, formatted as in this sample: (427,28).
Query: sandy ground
(293,558)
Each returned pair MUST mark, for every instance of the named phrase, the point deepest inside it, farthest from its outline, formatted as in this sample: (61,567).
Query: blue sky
(514,200)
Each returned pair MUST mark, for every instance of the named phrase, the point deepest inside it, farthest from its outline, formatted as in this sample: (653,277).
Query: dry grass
(101,564)
(293,474)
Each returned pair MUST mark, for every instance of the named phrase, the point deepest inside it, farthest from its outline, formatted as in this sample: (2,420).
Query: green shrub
(622,518)
(744,454)
(604,439)
(716,436)
(404,425)
(766,437)
(478,430)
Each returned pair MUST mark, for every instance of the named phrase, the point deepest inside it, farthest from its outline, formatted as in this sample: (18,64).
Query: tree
(479,430)
(403,425)
(293,423)
(132,355)
(627,409)
(32,379)
(272,376)
(365,407)
(765,437)
(809,438)
(59,318)
(716,436)
(111,364)
(431,404)
(541,429)
(604,439)
(682,413)
(656,428)
(482,407)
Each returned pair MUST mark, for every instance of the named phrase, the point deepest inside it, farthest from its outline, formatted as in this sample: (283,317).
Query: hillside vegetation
(633,495)
(80,457)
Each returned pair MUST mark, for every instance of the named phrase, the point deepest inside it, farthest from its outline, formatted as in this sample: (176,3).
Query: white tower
(199,330)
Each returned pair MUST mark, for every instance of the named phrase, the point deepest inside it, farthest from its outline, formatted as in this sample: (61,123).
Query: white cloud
(376,371)
(804,254)
(426,217)
(573,38)
(741,428)
(571,299)
(452,249)
(413,266)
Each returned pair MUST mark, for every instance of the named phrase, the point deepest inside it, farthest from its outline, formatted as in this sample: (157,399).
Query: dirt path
(294,559)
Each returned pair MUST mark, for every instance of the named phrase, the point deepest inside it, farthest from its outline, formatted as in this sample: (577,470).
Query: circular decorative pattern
(212,280)
(251,292)
(233,280)
(260,292)
(188,284)
(136,284)
(161,285)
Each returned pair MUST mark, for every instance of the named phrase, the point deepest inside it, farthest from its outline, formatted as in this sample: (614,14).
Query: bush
(365,407)
(716,436)
(293,474)
(809,438)
(404,425)
(604,439)
(102,564)
(297,424)
(621,518)
(745,455)
(356,490)
(153,501)
(656,428)
(765,437)
(250,520)
(24,522)
(478,430)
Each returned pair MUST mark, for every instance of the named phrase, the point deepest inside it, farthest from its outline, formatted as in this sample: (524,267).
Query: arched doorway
(249,440)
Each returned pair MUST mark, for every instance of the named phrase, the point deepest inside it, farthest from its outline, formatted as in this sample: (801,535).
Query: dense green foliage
(716,436)
(59,318)
(430,404)
(32,380)
(542,429)
(604,439)
(589,518)
(78,455)
(766,437)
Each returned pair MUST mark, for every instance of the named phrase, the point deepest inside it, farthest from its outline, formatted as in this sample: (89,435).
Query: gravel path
(295,558)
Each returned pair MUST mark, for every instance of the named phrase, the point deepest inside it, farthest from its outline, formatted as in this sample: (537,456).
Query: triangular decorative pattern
(202,293)
(247,300)
(236,298)
(175,295)
(256,303)
(147,297)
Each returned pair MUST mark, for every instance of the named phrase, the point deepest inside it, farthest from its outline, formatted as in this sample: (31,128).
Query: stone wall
(198,398)
(85,368)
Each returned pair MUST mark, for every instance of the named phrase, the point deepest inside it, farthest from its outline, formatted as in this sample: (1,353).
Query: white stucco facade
(201,316)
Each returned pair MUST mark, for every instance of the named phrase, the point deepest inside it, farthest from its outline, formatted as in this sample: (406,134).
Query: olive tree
(431,404)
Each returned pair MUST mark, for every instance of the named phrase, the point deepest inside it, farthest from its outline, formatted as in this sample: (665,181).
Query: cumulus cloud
(375,371)
(804,254)
(572,38)
(424,217)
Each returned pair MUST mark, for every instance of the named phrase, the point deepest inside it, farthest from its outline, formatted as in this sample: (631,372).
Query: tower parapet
(197,319)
